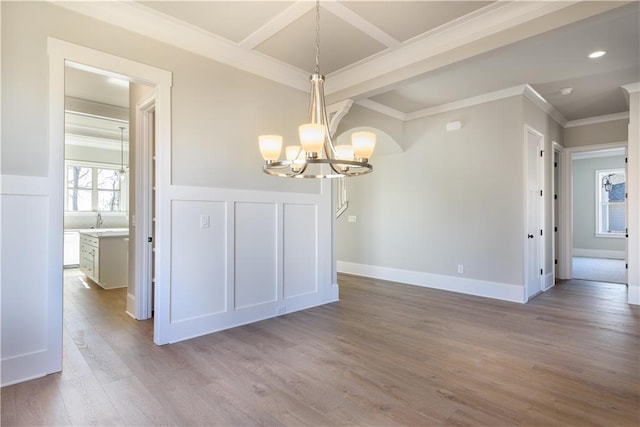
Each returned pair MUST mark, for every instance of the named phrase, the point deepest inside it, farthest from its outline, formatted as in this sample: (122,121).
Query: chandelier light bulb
(270,147)
(312,138)
(364,143)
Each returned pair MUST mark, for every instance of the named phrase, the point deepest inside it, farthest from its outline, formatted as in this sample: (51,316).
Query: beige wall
(217,111)
(597,133)
(450,198)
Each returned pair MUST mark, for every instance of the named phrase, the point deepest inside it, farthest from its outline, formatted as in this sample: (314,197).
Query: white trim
(540,214)
(468,102)
(131,305)
(24,185)
(487,21)
(339,110)
(277,23)
(383,109)
(62,53)
(599,253)
(632,87)
(101,110)
(549,281)
(143,225)
(360,23)
(556,242)
(565,266)
(482,288)
(599,153)
(597,119)
(544,105)
(148,22)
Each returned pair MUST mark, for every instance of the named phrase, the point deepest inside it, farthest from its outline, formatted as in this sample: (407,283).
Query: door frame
(556,210)
(61,53)
(145,109)
(565,261)
(540,211)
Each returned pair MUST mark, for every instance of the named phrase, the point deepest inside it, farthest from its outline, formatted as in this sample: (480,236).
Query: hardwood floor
(386,354)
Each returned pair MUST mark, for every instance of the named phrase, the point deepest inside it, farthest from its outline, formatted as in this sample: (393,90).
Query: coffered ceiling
(405,57)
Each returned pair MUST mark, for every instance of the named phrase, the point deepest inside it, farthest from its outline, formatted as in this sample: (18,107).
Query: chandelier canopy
(316,156)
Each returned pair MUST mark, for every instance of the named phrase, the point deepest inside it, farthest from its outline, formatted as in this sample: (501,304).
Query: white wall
(585,242)
(450,198)
(216,114)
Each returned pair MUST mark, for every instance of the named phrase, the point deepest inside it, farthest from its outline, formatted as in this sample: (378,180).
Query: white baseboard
(20,368)
(549,281)
(633,295)
(131,305)
(598,253)
(482,288)
(335,292)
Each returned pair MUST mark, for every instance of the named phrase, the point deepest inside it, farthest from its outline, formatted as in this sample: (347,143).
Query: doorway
(61,54)
(599,216)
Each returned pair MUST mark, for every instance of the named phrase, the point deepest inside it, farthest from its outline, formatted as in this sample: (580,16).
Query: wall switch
(204,221)
(460,268)
(352,218)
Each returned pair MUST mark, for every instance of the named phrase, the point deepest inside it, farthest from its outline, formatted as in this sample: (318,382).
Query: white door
(534,272)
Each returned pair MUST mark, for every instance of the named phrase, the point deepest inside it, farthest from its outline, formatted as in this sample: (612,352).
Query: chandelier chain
(317,36)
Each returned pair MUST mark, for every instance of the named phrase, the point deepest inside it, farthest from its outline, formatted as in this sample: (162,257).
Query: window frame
(124,189)
(599,203)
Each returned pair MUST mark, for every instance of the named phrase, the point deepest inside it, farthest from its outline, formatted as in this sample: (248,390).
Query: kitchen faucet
(99,220)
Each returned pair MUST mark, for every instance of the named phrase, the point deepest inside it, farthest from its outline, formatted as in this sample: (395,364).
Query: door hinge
(541,152)
(149,239)
(626,266)
(555,261)
(555,197)
(625,160)
(541,232)
(555,229)
(540,193)
(541,272)
(555,164)
(626,233)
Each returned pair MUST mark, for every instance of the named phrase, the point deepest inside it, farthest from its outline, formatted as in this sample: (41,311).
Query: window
(92,187)
(611,208)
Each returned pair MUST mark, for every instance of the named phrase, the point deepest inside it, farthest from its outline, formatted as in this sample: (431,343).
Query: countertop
(104,232)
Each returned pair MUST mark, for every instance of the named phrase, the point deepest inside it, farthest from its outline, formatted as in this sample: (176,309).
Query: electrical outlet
(460,269)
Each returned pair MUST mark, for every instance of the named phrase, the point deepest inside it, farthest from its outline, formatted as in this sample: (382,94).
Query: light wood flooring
(386,354)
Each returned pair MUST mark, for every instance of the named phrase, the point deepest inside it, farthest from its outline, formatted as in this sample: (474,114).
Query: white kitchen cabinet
(71,249)
(103,257)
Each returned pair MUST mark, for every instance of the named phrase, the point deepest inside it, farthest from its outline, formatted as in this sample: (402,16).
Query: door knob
(529,236)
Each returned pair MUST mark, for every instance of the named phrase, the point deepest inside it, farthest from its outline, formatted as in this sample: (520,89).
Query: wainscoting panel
(31,308)
(198,254)
(264,254)
(256,249)
(300,249)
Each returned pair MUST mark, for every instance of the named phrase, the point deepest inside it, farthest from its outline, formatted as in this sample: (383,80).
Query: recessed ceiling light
(597,54)
(566,90)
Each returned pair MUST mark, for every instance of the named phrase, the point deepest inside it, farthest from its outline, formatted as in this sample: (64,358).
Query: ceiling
(405,57)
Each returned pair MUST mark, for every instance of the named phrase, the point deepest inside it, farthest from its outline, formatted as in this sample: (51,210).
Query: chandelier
(316,156)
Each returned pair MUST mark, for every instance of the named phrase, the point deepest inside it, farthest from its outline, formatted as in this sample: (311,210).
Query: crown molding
(492,19)
(468,102)
(143,20)
(382,109)
(544,105)
(632,88)
(597,119)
